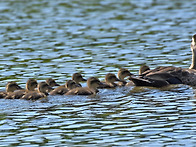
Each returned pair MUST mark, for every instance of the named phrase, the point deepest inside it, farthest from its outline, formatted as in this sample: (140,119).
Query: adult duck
(170,75)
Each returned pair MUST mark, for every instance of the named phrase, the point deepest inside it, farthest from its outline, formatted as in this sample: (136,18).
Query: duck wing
(148,82)
(59,91)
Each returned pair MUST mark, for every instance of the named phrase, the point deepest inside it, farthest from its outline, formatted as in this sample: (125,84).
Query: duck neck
(8,89)
(111,84)
(193,64)
(77,82)
(29,88)
(122,80)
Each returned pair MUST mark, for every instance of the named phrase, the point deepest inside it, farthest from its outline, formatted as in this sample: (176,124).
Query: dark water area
(53,39)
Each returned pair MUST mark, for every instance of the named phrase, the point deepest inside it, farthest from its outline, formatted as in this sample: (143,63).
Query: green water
(42,39)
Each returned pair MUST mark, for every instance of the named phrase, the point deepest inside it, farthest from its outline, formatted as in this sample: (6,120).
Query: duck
(122,74)
(30,86)
(110,78)
(77,77)
(61,90)
(51,82)
(42,91)
(143,68)
(171,74)
(92,83)
(10,88)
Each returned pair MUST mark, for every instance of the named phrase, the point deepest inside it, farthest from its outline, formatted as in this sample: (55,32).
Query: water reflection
(43,39)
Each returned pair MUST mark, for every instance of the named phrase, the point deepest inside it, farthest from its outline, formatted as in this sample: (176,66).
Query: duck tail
(149,82)
(140,82)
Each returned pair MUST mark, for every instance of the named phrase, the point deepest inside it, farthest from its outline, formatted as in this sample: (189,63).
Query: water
(42,39)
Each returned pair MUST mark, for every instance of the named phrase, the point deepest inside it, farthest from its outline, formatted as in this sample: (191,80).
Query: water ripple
(42,39)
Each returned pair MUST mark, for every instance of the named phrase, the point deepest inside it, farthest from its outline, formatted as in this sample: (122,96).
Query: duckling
(43,89)
(61,90)
(51,82)
(143,69)
(109,81)
(30,86)
(92,84)
(10,87)
(122,74)
(77,77)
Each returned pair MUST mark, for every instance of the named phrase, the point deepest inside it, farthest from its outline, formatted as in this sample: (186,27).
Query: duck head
(43,87)
(12,86)
(123,73)
(77,77)
(93,83)
(143,68)
(51,82)
(71,84)
(31,84)
(111,78)
(193,40)
(193,48)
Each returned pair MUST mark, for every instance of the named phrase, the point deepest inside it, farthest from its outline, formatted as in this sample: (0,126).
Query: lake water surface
(54,39)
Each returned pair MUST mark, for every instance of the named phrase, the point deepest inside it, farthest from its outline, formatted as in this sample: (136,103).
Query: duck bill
(57,84)
(118,80)
(18,87)
(123,81)
(77,85)
(84,79)
(49,89)
(130,74)
(100,84)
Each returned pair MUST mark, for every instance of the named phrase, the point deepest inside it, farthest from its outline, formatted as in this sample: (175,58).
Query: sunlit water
(42,39)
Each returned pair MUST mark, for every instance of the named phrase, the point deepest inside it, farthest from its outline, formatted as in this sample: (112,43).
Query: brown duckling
(92,84)
(51,82)
(43,90)
(77,77)
(10,88)
(143,69)
(109,81)
(30,86)
(61,90)
(122,74)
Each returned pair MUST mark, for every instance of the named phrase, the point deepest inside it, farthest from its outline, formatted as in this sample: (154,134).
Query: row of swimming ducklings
(36,90)
(158,77)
